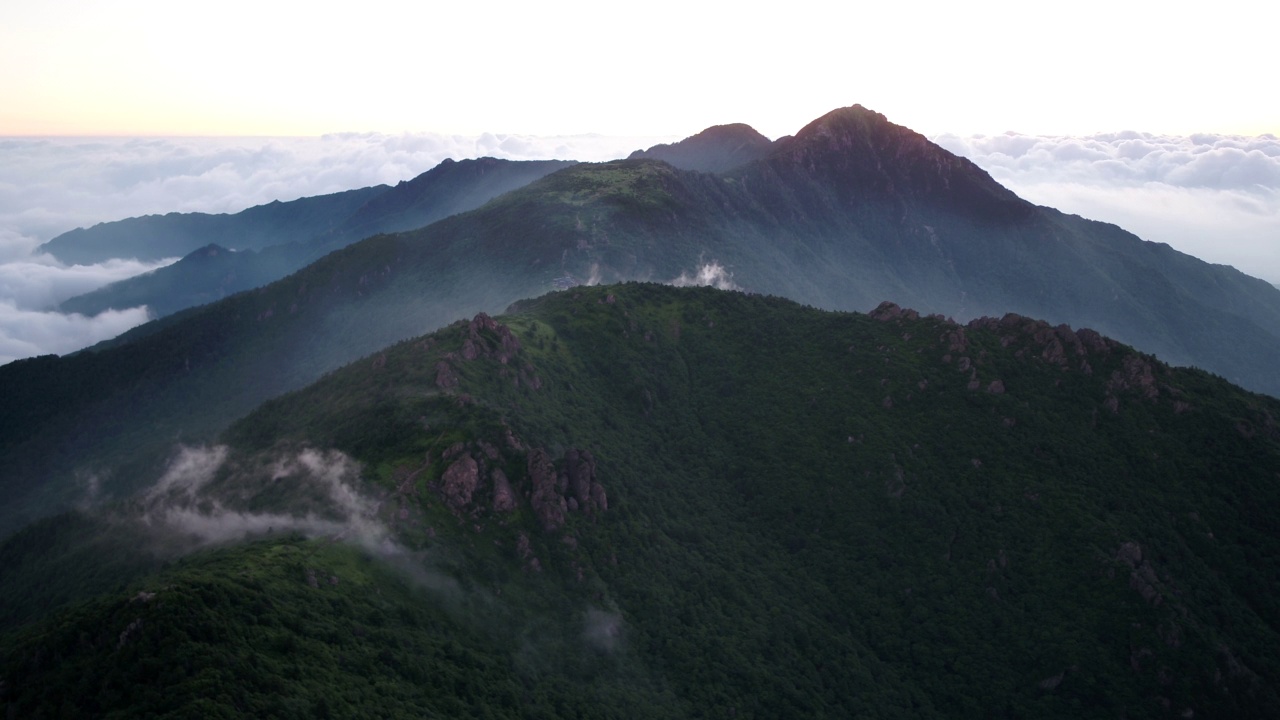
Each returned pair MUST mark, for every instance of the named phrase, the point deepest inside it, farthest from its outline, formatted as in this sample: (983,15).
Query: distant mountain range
(226,254)
(850,211)
(156,237)
(646,501)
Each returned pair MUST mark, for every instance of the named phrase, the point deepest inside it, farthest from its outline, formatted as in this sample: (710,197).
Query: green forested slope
(851,211)
(800,513)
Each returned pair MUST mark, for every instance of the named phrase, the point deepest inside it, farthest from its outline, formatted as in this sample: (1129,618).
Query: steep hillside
(851,211)
(647,501)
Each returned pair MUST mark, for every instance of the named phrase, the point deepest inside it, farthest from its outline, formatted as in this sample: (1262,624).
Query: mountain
(646,501)
(213,272)
(207,274)
(850,211)
(156,237)
(716,149)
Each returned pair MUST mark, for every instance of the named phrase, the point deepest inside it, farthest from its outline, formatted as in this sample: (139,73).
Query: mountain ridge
(830,230)
(448,188)
(156,237)
(808,513)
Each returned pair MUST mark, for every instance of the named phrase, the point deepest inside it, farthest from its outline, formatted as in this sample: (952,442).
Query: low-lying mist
(206,498)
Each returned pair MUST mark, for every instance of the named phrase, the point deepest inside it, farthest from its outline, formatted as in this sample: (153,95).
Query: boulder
(504,500)
(459,482)
(548,503)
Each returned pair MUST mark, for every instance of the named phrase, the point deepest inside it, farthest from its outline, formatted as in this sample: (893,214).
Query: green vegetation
(809,514)
(286,628)
(851,211)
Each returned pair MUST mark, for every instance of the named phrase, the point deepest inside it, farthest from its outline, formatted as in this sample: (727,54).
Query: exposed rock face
(1135,374)
(598,497)
(459,482)
(524,549)
(445,375)
(548,502)
(512,441)
(478,345)
(580,468)
(1143,577)
(891,311)
(504,500)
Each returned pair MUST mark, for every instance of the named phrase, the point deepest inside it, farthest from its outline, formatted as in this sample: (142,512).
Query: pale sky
(277,68)
(1138,113)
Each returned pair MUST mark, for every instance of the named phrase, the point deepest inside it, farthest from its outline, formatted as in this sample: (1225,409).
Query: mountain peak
(716,149)
(857,124)
(861,151)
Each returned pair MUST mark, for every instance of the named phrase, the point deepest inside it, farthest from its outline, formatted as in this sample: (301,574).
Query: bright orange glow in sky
(145,67)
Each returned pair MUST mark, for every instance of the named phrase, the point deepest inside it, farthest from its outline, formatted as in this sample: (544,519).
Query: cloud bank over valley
(1216,197)
(49,186)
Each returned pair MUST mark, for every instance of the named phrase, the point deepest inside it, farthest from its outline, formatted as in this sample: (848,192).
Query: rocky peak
(886,311)
(862,157)
(487,337)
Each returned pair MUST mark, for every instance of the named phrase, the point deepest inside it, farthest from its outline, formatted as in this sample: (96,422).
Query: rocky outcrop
(891,311)
(487,337)
(598,497)
(580,472)
(459,481)
(446,376)
(524,550)
(1142,577)
(546,498)
(1135,374)
(504,500)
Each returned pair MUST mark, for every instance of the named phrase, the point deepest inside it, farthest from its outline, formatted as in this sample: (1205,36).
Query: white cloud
(27,333)
(51,185)
(40,282)
(1213,196)
(711,274)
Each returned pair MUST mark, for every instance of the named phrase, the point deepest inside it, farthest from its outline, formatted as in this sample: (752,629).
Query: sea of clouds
(51,185)
(1216,197)
(1213,196)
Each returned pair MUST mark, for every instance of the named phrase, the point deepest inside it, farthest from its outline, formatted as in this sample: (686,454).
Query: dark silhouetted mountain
(447,189)
(645,501)
(201,277)
(155,237)
(850,211)
(208,274)
(716,149)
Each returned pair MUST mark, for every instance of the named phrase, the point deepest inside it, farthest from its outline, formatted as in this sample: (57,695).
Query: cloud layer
(1216,197)
(51,185)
